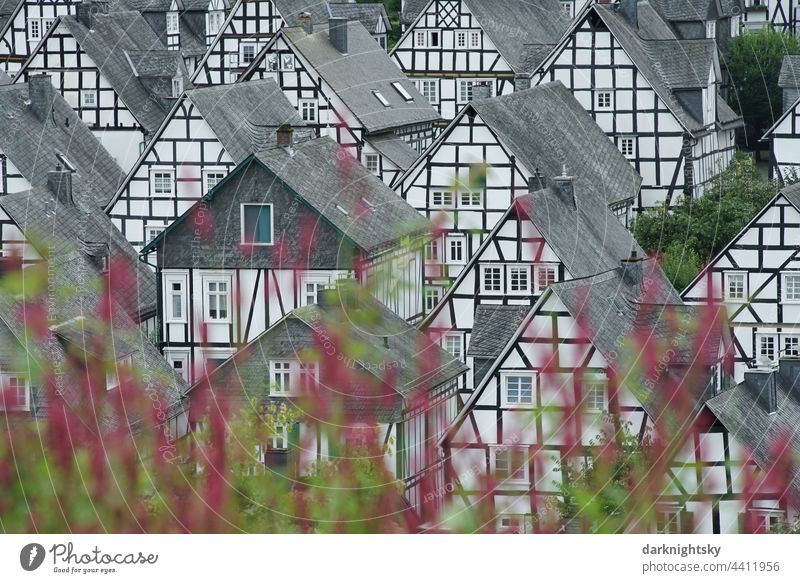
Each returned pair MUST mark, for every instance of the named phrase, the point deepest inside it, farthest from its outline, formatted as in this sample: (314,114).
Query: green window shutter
(257,223)
(265,225)
(294,436)
(333,446)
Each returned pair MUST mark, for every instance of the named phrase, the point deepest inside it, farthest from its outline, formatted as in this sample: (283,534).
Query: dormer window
(257,224)
(173,25)
(214,23)
(177,86)
(379,96)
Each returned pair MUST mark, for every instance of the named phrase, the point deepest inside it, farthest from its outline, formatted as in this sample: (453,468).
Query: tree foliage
(754,62)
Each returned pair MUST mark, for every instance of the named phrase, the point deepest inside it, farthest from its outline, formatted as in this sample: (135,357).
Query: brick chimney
(337,33)
(41,94)
(59,181)
(762,385)
(285,136)
(564,185)
(789,371)
(306,22)
(630,10)
(88,10)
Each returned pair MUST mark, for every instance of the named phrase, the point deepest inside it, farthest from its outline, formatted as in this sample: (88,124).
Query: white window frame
(764,517)
(795,277)
(537,288)
(454,340)
(433,252)
(287,61)
(425,85)
(759,345)
(319,280)
(461,39)
(726,279)
(173,23)
(308,110)
(242,60)
(402,91)
(243,240)
(793,339)
(522,523)
(215,19)
(627,146)
(433,295)
(112,376)
(475,39)
(207,174)
(280,369)
(6,379)
(380,97)
(465,87)
(217,279)
(279,440)
(495,269)
(153,231)
(34,29)
(449,240)
(169,313)
(518,267)
(567,6)
(182,356)
(591,386)
(421,39)
(153,178)
(670,522)
(600,101)
(88,99)
(470,199)
(519,403)
(375,168)
(446,199)
(524,469)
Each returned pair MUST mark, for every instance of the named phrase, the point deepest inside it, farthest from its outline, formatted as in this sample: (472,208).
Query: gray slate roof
(545,127)
(245,116)
(790,72)
(698,10)
(367,14)
(55,230)
(32,145)
(354,77)
(394,148)
(493,328)
(318,171)
(745,419)
(398,371)
(411,9)
(128,52)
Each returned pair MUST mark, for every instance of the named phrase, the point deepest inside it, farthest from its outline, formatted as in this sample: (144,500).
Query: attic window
(367,203)
(381,98)
(342,210)
(402,91)
(173,27)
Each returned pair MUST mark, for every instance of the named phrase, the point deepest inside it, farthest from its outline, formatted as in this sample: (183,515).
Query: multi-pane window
(289,376)
(595,395)
(461,39)
(176,299)
(173,27)
(519,279)
(791,345)
(465,90)
(545,275)
(567,6)
(627,147)
(421,38)
(492,278)
(432,297)
(767,347)
(215,20)
(791,287)
(469,199)
(15,393)
(311,288)
(442,198)
(769,520)
(279,440)
(257,224)
(308,109)
(735,286)
(247,54)
(372,162)
(668,521)
(211,178)
(453,342)
(217,300)
(280,377)
(603,100)
(510,463)
(475,39)
(163,183)
(88,99)
(432,252)
(430,90)
(518,389)
(455,250)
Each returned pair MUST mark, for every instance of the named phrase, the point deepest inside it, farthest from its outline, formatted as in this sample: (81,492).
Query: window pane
(258,224)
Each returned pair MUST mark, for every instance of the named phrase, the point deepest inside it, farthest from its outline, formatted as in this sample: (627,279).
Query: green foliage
(754,62)
(696,229)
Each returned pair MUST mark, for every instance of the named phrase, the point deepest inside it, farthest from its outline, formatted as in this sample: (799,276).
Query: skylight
(381,98)
(342,210)
(402,91)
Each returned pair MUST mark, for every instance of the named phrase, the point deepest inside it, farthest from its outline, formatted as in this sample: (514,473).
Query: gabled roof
(34,146)
(790,72)
(244,116)
(127,52)
(331,181)
(367,14)
(545,127)
(394,148)
(698,10)
(356,76)
(493,328)
(411,9)
(55,230)
(400,359)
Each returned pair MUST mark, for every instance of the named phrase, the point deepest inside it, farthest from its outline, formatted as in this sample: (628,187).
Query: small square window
(465,91)
(257,224)
(791,345)
(791,287)
(545,275)
(373,163)
(668,521)
(421,38)
(518,389)
(594,395)
(472,199)
(88,99)
(163,183)
(311,287)
(308,109)
(279,440)
(287,62)
(453,342)
(211,178)
(492,279)
(153,231)
(442,199)
(433,38)
(247,54)
(510,463)
(16,393)
(735,286)
(519,280)
(603,100)
(432,252)
(567,6)
(766,345)
(627,146)
(34,29)
(432,297)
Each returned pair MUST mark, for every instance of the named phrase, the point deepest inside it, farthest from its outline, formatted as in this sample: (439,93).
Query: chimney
(763,387)
(565,187)
(632,269)
(789,369)
(482,90)
(59,181)
(88,10)
(536,182)
(337,33)
(306,22)
(285,136)
(521,83)
(41,94)
(630,10)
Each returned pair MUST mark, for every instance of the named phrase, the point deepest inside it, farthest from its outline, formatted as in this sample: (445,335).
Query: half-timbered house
(115,73)
(372,16)
(776,14)
(757,278)
(454,44)
(655,96)
(346,86)
(719,20)
(784,135)
(321,360)
(496,150)
(208,131)
(288,223)
(24,24)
